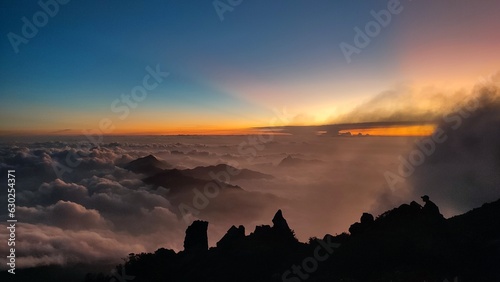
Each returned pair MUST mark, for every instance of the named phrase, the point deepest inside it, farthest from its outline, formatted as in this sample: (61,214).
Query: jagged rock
(403,213)
(365,223)
(279,233)
(400,245)
(279,222)
(233,235)
(196,239)
(281,230)
(430,209)
(261,231)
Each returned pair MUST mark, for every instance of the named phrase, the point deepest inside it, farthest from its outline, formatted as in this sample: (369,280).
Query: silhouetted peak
(150,158)
(148,165)
(233,235)
(430,209)
(196,239)
(279,222)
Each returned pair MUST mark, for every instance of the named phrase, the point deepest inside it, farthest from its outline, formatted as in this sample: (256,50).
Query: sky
(231,66)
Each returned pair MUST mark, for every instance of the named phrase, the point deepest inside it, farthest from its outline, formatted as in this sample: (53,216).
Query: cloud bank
(100,212)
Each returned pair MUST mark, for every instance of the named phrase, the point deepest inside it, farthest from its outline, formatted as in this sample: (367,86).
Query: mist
(327,185)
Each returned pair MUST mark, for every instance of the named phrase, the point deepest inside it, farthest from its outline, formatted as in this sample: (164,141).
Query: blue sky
(92,51)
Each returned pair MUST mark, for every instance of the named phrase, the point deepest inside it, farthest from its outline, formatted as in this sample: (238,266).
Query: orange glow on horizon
(412,130)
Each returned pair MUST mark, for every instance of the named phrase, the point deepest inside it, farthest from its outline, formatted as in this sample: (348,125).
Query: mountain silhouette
(404,244)
(178,181)
(207,172)
(160,174)
(148,165)
(196,239)
(181,180)
(290,161)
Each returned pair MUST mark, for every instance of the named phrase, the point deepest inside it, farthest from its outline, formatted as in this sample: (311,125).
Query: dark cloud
(463,172)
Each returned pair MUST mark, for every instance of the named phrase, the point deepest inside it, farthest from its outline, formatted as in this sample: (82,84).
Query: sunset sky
(229,74)
(123,122)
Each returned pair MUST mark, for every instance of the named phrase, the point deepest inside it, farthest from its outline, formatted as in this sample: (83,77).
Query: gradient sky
(230,74)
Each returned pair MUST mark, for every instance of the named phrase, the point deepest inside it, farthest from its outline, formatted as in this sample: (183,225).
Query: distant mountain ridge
(148,165)
(177,180)
(290,161)
(160,174)
(206,172)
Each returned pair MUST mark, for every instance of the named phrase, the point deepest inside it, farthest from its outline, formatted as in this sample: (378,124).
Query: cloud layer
(97,211)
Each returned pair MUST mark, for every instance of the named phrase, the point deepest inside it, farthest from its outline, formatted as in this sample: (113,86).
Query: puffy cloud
(44,245)
(50,193)
(63,214)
